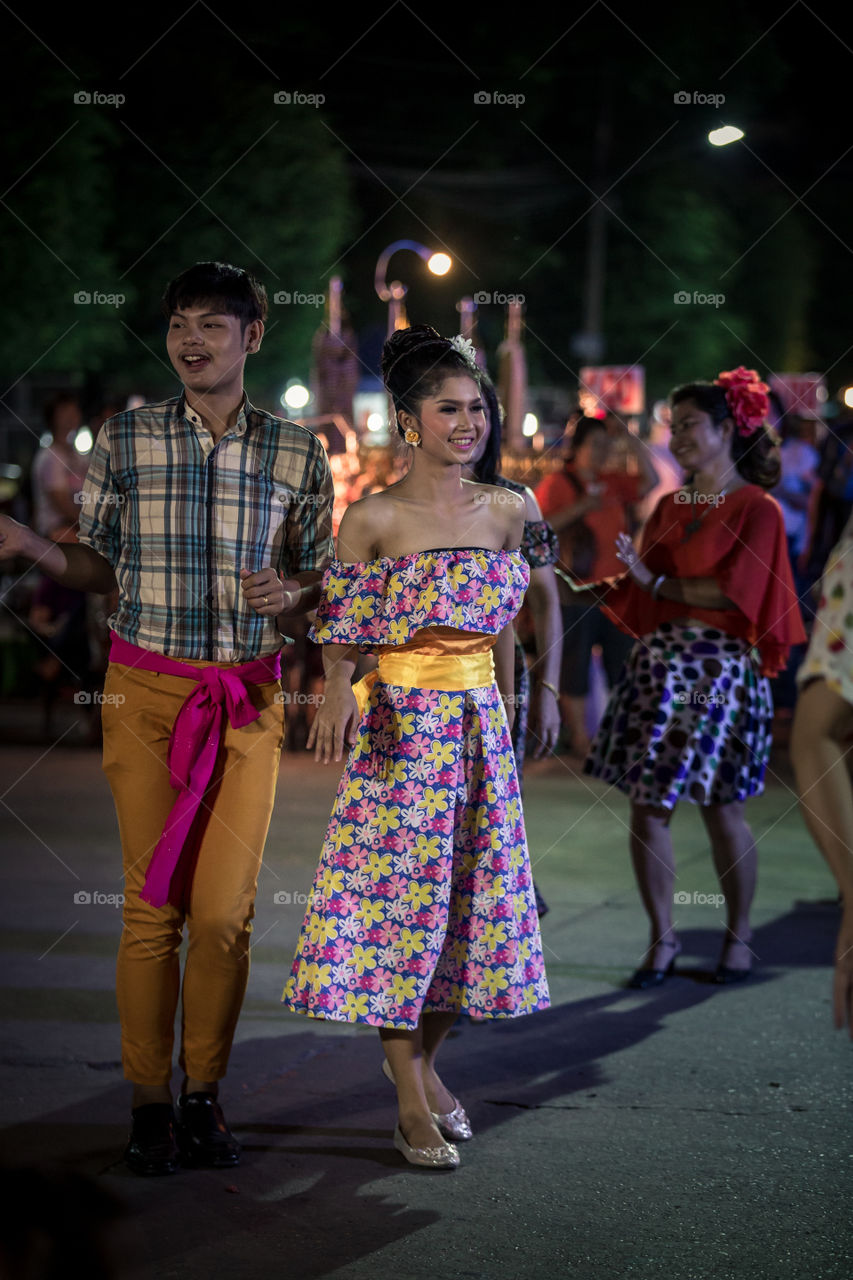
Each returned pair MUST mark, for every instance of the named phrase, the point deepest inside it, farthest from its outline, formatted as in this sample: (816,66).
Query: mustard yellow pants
(215,884)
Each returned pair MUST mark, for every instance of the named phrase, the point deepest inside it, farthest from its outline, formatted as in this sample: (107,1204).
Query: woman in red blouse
(712,606)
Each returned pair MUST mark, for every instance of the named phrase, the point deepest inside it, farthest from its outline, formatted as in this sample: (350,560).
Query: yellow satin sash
(411,670)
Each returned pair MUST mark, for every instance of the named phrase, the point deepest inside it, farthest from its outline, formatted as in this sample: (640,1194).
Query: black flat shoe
(724,976)
(641,979)
(153,1147)
(203,1136)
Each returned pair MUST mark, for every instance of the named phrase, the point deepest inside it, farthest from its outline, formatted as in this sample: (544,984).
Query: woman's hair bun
(416,361)
(405,342)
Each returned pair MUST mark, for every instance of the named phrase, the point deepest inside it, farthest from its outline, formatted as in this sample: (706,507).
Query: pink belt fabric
(195,741)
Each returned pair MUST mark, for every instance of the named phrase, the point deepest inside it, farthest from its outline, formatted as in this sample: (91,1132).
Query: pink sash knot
(194,743)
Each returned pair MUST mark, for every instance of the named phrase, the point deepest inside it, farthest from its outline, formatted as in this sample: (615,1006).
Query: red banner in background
(616,388)
(801,393)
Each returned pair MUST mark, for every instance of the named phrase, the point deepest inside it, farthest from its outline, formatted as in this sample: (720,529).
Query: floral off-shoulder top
(388,600)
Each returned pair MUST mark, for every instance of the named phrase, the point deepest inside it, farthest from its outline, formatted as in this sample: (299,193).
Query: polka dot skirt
(688,720)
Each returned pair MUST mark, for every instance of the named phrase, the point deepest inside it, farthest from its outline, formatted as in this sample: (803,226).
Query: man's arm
(72,564)
(309,542)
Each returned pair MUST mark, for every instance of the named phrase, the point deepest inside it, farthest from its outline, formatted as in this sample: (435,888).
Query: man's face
(67,421)
(208,348)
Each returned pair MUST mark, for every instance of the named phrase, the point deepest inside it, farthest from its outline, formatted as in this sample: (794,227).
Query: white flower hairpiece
(465,347)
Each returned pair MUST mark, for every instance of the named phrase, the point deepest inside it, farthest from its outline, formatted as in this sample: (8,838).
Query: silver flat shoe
(444,1157)
(453,1124)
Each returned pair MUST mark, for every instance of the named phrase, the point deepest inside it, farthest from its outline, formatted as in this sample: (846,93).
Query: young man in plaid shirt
(213,518)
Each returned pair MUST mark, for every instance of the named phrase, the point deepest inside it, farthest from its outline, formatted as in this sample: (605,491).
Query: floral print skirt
(423,899)
(688,720)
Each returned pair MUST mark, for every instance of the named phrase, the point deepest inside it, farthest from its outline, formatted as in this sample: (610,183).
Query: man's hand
(15,539)
(267,594)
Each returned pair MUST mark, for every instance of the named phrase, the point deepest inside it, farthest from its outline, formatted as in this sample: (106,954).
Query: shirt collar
(194,419)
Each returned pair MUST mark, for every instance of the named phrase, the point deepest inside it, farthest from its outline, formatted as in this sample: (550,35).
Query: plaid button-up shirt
(178,517)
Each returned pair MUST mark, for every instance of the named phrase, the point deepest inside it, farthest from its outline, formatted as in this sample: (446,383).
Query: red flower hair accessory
(746,396)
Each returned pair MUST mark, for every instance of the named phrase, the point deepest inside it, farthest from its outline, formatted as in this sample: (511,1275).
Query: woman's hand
(630,556)
(544,723)
(594,493)
(335,723)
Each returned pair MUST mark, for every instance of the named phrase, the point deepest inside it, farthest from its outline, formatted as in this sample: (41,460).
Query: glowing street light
(440,263)
(296,396)
(724,135)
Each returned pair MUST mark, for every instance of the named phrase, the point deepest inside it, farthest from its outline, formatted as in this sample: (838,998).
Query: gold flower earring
(412,437)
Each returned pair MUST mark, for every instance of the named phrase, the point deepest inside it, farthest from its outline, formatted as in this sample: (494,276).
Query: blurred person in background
(57,613)
(58,472)
(588,506)
(536,715)
(832,497)
(800,460)
(670,474)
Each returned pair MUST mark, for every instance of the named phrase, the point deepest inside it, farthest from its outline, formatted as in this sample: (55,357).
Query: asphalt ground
(688,1132)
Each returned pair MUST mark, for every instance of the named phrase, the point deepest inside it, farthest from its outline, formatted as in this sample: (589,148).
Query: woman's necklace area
(695,522)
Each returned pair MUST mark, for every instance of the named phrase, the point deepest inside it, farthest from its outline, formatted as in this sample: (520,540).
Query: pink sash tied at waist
(195,741)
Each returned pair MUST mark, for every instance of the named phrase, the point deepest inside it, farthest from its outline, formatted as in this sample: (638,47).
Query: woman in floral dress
(423,906)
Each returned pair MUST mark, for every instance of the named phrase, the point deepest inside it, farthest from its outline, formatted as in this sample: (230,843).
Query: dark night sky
(505,188)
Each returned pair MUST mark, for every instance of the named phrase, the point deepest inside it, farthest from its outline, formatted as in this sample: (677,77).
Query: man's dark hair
(228,289)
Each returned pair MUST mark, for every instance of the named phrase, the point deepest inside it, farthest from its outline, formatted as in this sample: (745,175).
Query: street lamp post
(394,293)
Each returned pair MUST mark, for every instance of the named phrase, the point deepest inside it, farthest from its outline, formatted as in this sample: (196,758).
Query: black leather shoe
(203,1136)
(642,978)
(153,1147)
(724,976)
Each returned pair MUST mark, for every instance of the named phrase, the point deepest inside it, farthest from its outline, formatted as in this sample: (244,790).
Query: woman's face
(695,441)
(452,422)
(592,454)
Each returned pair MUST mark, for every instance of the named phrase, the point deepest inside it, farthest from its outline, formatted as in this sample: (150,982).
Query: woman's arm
(703,593)
(337,719)
(544,600)
(590,501)
(648,473)
(504,655)
(588,592)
